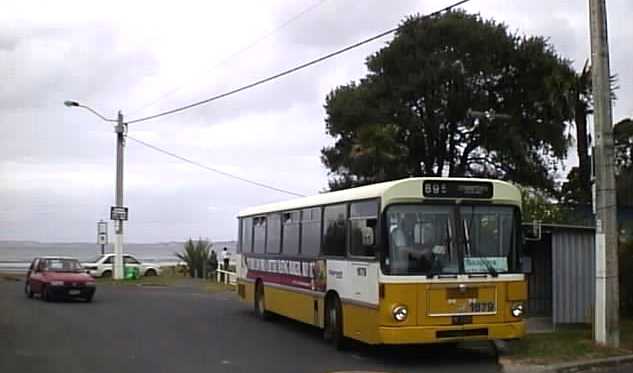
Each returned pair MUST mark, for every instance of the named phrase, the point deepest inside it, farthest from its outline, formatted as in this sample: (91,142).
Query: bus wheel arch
(333,320)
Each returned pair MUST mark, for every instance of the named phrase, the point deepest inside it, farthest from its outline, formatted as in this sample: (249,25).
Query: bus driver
(409,254)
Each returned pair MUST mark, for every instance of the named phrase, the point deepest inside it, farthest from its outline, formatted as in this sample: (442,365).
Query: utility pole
(606,323)
(119,129)
(118,213)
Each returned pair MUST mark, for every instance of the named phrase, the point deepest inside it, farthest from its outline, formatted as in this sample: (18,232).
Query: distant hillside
(26,250)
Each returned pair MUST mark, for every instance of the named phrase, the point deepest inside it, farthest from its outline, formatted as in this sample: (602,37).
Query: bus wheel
(334,323)
(260,302)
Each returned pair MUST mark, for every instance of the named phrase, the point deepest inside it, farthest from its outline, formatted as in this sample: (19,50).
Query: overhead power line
(215,170)
(289,71)
(242,50)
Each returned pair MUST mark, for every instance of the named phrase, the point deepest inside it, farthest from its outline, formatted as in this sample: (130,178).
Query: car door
(106,264)
(130,261)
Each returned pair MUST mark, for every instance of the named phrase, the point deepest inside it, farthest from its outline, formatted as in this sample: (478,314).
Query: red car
(58,277)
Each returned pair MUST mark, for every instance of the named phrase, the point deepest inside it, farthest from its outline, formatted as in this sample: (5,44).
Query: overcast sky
(141,57)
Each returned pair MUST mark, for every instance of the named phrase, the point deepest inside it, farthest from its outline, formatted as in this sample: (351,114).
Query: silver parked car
(101,266)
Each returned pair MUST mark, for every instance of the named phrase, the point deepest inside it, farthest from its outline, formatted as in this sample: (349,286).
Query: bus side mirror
(368,236)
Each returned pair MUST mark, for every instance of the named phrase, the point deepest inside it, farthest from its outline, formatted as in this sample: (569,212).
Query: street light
(116,211)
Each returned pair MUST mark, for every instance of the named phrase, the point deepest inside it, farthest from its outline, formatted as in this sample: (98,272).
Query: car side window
(32,264)
(129,260)
(108,260)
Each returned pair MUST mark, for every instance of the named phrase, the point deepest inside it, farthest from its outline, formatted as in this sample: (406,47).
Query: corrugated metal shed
(540,278)
(573,275)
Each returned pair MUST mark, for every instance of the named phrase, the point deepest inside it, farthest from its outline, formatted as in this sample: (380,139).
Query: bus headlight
(400,313)
(517,310)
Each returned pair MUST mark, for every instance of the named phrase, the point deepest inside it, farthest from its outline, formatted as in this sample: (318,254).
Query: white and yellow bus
(418,260)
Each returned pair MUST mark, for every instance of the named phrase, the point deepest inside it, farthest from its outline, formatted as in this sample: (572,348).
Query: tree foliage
(410,115)
(539,206)
(197,256)
(578,191)
(580,103)
(623,141)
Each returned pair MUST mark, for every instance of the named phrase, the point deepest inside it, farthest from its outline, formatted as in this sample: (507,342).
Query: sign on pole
(102,232)
(118,213)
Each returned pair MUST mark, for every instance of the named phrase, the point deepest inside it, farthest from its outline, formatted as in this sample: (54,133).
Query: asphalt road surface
(132,329)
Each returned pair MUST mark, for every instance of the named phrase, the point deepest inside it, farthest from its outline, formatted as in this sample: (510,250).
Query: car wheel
(260,302)
(106,274)
(27,289)
(150,272)
(89,298)
(334,323)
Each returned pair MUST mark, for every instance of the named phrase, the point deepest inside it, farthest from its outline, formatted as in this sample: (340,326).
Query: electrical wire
(242,50)
(212,169)
(289,71)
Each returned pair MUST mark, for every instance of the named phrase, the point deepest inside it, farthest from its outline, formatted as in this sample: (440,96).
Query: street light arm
(75,103)
(96,113)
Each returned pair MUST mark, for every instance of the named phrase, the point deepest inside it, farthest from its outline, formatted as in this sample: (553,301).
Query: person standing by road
(226,257)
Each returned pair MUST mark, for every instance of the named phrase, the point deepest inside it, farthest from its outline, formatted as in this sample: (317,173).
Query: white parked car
(101,266)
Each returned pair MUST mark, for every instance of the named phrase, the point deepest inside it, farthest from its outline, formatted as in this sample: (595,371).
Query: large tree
(577,189)
(410,115)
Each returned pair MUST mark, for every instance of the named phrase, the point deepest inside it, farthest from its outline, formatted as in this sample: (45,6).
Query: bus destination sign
(456,189)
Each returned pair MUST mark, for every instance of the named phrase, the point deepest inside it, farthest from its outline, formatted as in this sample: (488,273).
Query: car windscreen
(61,265)
(96,259)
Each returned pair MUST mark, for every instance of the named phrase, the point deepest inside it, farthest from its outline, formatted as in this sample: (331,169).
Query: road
(132,329)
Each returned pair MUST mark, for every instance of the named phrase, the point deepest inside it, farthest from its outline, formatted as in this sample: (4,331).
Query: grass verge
(168,278)
(570,343)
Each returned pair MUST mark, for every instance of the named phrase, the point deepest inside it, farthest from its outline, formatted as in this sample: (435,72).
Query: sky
(57,164)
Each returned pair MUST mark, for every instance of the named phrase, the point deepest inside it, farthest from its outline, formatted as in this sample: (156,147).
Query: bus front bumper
(438,334)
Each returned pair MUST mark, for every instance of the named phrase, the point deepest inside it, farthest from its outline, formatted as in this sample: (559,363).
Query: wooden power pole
(606,323)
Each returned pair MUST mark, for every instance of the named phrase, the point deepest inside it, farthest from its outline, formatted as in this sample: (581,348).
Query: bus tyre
(334,323)
(260,302)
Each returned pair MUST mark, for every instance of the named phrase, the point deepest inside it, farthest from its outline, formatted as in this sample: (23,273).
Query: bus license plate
(461,320)
(73,292)
(483,307)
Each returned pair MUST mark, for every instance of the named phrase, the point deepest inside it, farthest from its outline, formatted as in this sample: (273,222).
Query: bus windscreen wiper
(468,249)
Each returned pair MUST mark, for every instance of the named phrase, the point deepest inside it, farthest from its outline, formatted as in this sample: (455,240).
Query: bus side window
(290,232)
(273,236)
(247,235)
(259,235)
(363,223)
(310,231)
(334,218)
(239,236)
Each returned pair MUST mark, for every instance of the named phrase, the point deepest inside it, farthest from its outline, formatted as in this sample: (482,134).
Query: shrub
(196,255)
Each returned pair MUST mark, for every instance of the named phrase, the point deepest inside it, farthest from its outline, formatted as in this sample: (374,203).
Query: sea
(15,256)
